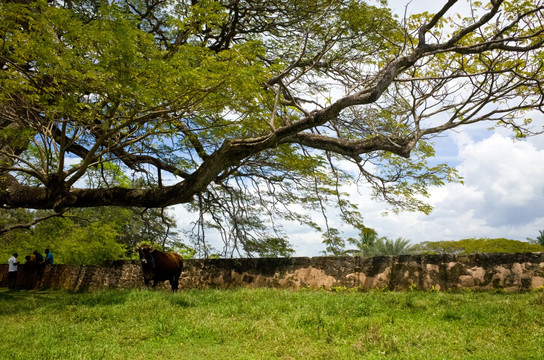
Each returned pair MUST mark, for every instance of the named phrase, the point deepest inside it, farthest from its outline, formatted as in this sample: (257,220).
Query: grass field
(270,324)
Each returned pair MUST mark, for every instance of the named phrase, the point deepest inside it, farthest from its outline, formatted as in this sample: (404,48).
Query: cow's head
(145,254)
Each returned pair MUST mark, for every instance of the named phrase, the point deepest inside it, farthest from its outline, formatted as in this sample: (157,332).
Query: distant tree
(385,246)
(370,244)
(539,239)
(70,239)
(17,239)
(270,247)
(153,225)
(87,245)
(184,250)
(89,236)
(471,246)
(367,238)
(334,244)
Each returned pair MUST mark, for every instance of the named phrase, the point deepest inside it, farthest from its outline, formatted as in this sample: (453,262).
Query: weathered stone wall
(112,275)
(511,272)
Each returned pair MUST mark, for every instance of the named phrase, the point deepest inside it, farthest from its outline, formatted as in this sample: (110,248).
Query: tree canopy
(472,246)
(246,110)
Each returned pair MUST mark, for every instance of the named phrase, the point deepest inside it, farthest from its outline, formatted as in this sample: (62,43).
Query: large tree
(243,107)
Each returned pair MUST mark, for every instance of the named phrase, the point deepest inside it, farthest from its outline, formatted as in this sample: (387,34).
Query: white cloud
(502,195)
(510,174)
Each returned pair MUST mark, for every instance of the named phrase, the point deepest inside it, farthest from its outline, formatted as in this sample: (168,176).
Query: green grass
(270,324)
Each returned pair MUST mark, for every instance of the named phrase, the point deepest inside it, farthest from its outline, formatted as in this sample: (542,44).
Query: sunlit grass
(270,324)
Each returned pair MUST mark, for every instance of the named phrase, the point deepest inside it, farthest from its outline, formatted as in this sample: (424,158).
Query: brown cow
(160,266)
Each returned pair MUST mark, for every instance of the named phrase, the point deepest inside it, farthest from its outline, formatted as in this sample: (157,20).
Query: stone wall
(112,275)
(511,272)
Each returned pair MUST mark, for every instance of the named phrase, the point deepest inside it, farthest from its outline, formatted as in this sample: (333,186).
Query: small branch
(28,225)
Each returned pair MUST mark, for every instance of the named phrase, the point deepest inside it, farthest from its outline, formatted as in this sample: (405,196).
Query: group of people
(33,261)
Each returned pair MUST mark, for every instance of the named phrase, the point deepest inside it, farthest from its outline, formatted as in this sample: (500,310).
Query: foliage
(89,236)
(471,246)
(367,238)
(270,247)
(70,239)
(271,324)
(368,244)
(385,246)
(334,244)
(185,251)
(250,112)
(539,239)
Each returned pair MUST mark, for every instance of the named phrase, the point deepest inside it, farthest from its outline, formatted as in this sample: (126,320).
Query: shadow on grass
(179,301)
(13,302)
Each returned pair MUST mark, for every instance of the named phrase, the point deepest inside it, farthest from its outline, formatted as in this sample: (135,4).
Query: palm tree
(369,244)
(385,246)
(540,238)
(367,238)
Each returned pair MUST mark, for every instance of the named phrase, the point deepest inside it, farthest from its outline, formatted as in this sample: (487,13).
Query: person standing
(48,257)
(39,257)
(40,266)
(12,271)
